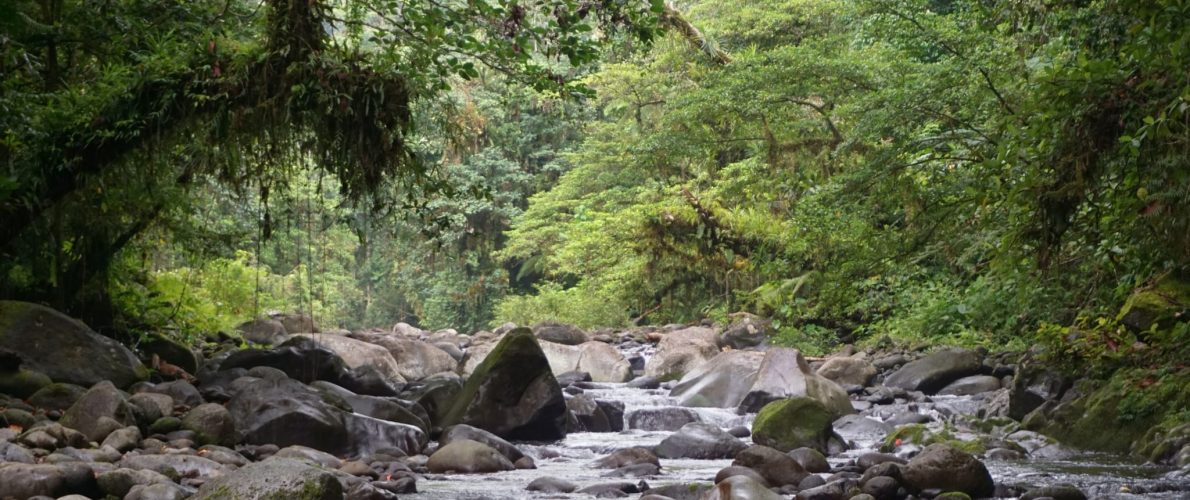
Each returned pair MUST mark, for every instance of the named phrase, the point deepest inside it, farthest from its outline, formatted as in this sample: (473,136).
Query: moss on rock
(793,423)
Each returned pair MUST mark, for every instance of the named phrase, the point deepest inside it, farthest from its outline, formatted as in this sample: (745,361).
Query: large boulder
(721,382)
(467,457)
(784,373)
(101,410)
(415,359)
(18,480)
(603,362)
(513,393)
(943,467)
(701,441)
(367,435)
(274,478)
(661,418)
(681,351)
(745,330)
(788,424)
(300,358)
(466,432)
(560,333)
(436,395)
(777,468)
(285,412)
(63,348)
(383,408)
(845,370)
(935,371)
(357,353)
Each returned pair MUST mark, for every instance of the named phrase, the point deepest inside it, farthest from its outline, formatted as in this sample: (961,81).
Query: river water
(1098,475)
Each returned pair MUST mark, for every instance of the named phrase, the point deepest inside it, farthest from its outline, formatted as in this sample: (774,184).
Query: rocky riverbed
(681,412)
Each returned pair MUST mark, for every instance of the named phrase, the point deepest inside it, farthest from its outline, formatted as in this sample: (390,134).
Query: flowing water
(1097,475)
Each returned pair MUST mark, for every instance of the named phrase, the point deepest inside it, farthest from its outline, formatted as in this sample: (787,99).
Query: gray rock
(681,351)
(467,457)
(551,485)
(810,459)
(58,396)
(946,468)
(847,371)
(263,331)
(628,456)
(158,491)
(286,412)
(118,482)
(974,384)
(1061,491)
(101,410)
(415,359)
(187,466)
(666,418)
(274,478)
(559,333)
(738,470)
(63,348)
(778,469)
(124,439)
(783,374)
(741,488)
(701,441)
(745,330)
(211,424)
(935,371)
(467,432)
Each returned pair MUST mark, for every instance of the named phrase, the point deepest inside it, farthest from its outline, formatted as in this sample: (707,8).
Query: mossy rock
(953,495)
(63,348)
(1162,304)
(23,383)
(165,425)
(919,434)
(275,478)
(788,424)
(1118,416)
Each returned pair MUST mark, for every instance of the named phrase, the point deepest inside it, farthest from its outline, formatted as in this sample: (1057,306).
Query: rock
(64,349)
(309,455)
(124,439)
(559,333)
(665,418)
(436,396)
(357,353)
(829,491)
(100,410)
(211,424)
(881,487)
(614,410)
(299,358)
(645,382)
(18,480)
(415,359)
(1034,385)
(872,459)
(551,485)
(974,384)
(13,452)
(274,478)
(170,351)
(1061,491)
(784,373)
(638,470)
(1163,303)
(180,391)
(737,470)
(391,409)
(793,423)
(296,323)
(745,330)
(23,383)
(810,459)
(467,432)
(628,456)
(721,382)
(740,488)
(57,396)
(285,412)
(587,415)
(603,362)
(513,393)
(467,457)
(678,491)
(186,466)
(933,372)
(367,435)
(861,429)
(157,491)
(569,378)
(778,469)
(946,468)
(263,331)
(681,351)
(847,371)
(118,482)
(701,441)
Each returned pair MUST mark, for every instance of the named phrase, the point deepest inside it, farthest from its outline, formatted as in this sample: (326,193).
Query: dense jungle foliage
(988,172)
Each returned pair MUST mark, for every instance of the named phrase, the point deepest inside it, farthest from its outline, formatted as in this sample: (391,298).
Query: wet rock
(100,410)
(118,482)
(681,351)
(571,377)
(935,371)
(513,393)
(588,417)
(1033,386)
(974,384)
(383,408)
(645,382)
(415,359)
(614,410)
(63,348)
(58,396)
(946,468)
(310,455)
(358,353)
(467,432)
(274,478)
(668,418)
(367,435)
(211,424)
(601,361)
(628,456)
(551,485)
(468,457)
(701,441)
(793,423)
(832,490)
(778,469)
(847,371)
(784,373)
(745,330)
(436,396)
(861,428)
(872,459)
(740,488)
(738,470)
(286,412)
(157,491)
(740,431)
(690,491)
(638,470)
(810,459)
(881,488)
(184,466)
(559,333)
(1004,454)
(525,463)
(1061,491)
